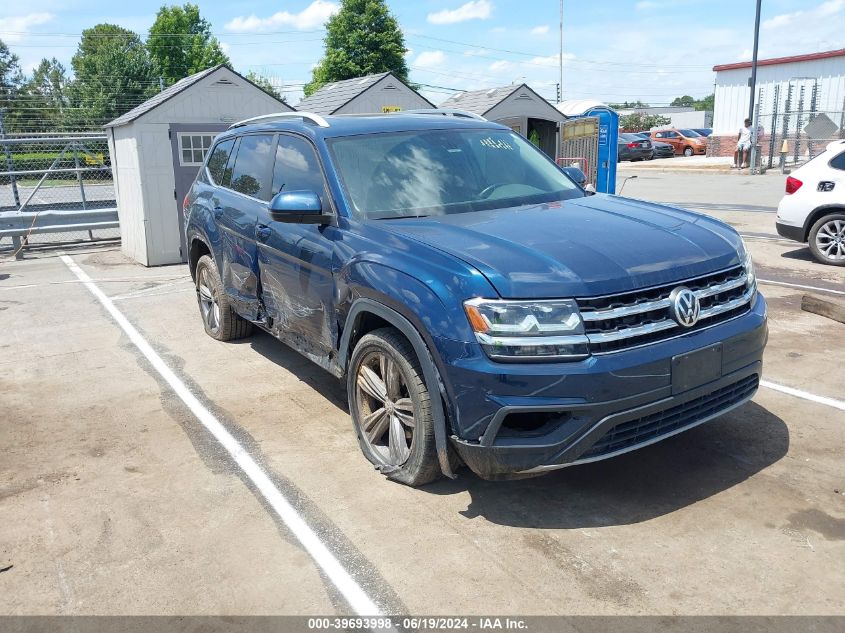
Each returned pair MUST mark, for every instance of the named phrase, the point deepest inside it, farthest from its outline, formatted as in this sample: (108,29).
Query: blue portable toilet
(592,131)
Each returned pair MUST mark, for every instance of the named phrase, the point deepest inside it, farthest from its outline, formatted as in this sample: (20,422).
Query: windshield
(439,172)
(690,133)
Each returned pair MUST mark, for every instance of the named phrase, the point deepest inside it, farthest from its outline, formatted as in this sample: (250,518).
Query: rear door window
(217,161)
(838,162)
(253,164)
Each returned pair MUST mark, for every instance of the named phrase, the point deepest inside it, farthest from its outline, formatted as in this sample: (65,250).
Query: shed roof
(170,92)
(333,96)
(482,101)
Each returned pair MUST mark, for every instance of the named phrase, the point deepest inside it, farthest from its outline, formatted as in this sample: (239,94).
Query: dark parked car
(659,149)
(632,147)
(480,306)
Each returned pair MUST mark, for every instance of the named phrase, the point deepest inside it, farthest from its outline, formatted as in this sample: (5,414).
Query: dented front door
(295,260)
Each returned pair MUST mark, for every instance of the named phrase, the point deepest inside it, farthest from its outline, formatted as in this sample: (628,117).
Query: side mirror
(590,189)
(298,207)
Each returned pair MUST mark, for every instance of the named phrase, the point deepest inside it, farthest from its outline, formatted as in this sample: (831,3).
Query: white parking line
(784,283)
(806,395)
(331,567)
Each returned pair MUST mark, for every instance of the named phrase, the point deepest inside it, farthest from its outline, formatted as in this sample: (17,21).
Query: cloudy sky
(614,50)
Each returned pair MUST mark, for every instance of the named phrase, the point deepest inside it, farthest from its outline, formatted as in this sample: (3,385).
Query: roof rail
(307,116)
(446,112)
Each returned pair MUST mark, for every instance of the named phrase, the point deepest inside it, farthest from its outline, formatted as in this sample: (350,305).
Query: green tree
(686,101)
(11,79)
(262,82)
(44,98)
(638,122)
(628,105)
(112,74)
(705,103)
(181,44)
(361,39)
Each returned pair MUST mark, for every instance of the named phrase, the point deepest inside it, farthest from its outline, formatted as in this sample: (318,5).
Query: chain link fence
(55,190)
(792,126)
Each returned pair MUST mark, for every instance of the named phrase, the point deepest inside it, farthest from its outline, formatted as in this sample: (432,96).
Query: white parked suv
(813,209)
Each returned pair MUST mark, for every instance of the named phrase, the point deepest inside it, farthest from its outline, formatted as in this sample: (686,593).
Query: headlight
(528,330)
(751,279)
(748,266)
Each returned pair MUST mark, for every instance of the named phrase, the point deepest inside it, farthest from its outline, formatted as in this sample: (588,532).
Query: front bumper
(600,407)
(790,232)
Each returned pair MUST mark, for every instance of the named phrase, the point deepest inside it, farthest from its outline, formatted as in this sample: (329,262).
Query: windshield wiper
(400,217)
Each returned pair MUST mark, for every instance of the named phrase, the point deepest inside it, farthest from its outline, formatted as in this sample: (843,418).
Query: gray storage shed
(516,106)
(157,148)
(383,92)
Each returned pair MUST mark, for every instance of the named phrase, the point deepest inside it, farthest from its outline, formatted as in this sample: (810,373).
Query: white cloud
(832,7)
(781,20)
(499,66)
(409,52)
(311,17)
(473,10)
(16,27)
(800,19)
(428,59)
(540,30)
(551,60)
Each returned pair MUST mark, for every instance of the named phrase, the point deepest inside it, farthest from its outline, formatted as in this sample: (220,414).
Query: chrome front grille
(635,318)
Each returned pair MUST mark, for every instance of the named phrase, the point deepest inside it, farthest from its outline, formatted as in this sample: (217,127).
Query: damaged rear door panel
(237,209)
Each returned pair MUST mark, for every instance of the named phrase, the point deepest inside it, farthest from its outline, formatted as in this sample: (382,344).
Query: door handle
(263,232)
(218,211)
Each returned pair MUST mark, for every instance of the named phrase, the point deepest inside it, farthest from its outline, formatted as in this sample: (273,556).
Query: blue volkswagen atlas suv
(483,308)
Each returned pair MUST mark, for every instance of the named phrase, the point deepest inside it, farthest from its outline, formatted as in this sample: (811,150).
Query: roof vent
(223,82)
(524,95)
(390,87)
(363,80)
(491,92)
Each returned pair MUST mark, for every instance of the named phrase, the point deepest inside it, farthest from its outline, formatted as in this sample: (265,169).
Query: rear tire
(391,408)
(827,239)
(219,318)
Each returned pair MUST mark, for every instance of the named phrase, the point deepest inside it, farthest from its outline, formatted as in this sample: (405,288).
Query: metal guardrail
(22,224)
(55,189)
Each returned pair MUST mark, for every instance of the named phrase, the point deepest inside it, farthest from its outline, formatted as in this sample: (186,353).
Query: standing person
(743,145)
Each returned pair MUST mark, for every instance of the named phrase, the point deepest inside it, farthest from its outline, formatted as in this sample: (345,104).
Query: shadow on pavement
(324,383)
(803,254)
(637,486)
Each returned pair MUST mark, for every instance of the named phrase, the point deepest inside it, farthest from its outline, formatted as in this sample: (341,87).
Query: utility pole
(560,85)
(753,112)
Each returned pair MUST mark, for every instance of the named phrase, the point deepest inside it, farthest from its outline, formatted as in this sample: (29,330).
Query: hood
(578,248)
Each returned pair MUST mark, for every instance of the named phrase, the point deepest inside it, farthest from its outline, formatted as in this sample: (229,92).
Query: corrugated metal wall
(732,92)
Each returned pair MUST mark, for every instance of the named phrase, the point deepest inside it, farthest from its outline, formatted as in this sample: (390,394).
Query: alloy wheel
(385,408)
(830,240)
(209,306)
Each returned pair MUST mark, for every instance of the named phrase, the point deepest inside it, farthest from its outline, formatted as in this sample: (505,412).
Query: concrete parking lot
(117,499)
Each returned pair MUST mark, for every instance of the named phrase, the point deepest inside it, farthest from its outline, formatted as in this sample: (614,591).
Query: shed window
(193,148)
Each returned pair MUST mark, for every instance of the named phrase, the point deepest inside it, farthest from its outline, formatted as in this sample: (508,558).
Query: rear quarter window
(838,162)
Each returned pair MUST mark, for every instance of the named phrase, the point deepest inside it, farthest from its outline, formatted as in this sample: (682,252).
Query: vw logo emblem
(684,306)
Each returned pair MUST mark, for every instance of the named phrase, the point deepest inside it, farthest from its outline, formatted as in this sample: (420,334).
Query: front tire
(219,318)
(827,239)
(391,408)
(688,151)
